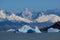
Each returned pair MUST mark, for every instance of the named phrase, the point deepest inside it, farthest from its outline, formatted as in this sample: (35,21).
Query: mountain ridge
(26,17)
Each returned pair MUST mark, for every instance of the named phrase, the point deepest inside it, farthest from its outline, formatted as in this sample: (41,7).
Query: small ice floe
(10,30)
(53,30)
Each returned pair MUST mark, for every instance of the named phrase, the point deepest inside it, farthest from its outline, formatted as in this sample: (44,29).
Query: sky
(34,5)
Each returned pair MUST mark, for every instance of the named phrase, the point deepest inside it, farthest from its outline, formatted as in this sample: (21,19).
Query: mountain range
(9,20)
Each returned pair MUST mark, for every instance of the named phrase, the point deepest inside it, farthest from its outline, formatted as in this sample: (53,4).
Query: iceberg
(53,30)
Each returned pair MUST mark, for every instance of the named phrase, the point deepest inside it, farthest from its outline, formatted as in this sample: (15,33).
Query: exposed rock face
(55,26)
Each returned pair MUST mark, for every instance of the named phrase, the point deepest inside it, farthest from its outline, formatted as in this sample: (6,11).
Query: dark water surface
(29,36)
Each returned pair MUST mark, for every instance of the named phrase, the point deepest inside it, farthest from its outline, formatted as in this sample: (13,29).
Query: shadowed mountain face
(55,25)
(5,25)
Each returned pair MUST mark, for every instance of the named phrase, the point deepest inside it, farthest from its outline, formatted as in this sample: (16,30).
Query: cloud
(2,14)
(12,17)
(52,18)
(18,18)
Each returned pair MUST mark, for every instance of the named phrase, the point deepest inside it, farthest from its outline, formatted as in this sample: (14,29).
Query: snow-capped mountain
(13,17)
(27,17)
(10,20)
(27,14)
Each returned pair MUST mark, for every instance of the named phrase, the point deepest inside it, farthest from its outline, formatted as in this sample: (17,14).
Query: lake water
(29,36)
